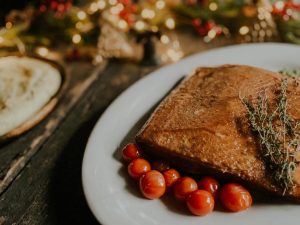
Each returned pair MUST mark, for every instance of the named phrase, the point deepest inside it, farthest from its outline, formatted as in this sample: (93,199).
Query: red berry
(200,202)
(171,176)
(184,186)
(235,197)
(138,167)
(211,185)
(152,184)
(130,152)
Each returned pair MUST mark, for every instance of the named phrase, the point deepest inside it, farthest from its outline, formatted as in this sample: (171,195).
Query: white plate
(115,200)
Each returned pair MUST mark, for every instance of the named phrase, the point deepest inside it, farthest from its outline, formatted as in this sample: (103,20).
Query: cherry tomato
(184,186)
(138,167)
(200,202)
(211,185)
(130,152)
(160,165)
(171,176)
(152,184)
(235,197)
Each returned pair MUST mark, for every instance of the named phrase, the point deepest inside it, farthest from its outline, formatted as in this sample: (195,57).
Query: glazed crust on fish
(203,127)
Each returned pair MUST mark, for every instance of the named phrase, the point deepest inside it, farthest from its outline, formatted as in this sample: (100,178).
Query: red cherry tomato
(211,185)
(184,186)
(235,197)
(131,152)
(138,167)
(152,184)
(200,202)
(160,165)
(171,176)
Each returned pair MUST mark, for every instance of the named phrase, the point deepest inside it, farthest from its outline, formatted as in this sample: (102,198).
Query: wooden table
(40,172)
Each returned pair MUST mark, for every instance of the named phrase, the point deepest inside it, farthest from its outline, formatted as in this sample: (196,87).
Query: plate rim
(85,165)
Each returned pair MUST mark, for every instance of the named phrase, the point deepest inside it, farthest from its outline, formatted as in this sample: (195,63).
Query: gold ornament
(114,43)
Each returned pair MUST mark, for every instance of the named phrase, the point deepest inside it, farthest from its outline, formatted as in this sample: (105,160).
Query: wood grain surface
(40,171)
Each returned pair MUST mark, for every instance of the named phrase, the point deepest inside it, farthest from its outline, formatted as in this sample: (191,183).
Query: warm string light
(148,14)
(208,29)
(279,5)
(76,39)
(164,39)
(8,25)
(172,51)
(140,25)
(174,55)
(117,9)
(170,23)
(42,51)
(212,33)
(101,4)
(287,9)
(154,29)
(160,4)
(157,16)
(213,6)
(127,15)
(93,7)
(262,27)
(81,15)
(112,2)
(244,30)
(79,25)
(122,24)
(141,18)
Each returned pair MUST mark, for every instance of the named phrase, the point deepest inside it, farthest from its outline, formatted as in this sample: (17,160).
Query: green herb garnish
(290,72)
(278,135)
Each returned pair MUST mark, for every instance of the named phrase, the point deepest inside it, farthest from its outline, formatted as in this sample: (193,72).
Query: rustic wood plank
(13,148)
(20,160)
(48,189)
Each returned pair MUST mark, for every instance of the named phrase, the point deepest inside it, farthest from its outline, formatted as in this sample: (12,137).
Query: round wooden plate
(46,109)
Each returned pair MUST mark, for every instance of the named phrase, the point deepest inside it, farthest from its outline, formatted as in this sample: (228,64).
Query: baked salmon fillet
(203,125)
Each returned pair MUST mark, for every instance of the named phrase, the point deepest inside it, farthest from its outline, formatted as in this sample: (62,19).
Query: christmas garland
(48,24)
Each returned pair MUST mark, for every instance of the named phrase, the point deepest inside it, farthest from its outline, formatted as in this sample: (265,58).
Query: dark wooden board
(45,186)
(49,189)
(29,144)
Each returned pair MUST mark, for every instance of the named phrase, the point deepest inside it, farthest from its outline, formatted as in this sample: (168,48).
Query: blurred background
(105,46)
(156,30)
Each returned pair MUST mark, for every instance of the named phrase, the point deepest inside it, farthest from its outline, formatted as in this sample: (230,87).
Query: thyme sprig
(290,72)
(278,135)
